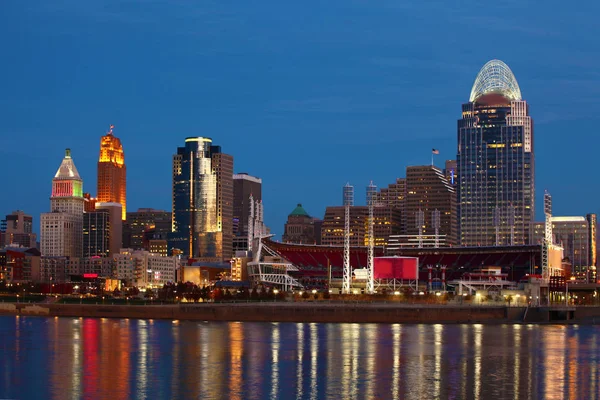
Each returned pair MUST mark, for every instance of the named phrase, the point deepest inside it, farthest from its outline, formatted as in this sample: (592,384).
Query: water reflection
(60,358)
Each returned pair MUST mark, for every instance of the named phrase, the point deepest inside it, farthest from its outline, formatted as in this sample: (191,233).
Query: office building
(202,201)
(450,172)
(115,225)
(96,233)
(244,186)
(393,196)
(429,196)
(577,236)
(142,221)
(143,269)
(62,228)
(18,230)
(387,222)
(495,162)
(112,172)
(301,228)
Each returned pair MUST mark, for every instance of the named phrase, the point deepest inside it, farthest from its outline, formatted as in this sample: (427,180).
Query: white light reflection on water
(370,332)
(355,330)
(438,331)
(396,346)
(314,354)
(517,364)
(464,334)
(76,360)
(142,362)
(478,330)
(275,360)
(299,361)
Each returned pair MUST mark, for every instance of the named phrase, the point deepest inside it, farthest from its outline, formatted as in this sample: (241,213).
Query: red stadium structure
(317,263)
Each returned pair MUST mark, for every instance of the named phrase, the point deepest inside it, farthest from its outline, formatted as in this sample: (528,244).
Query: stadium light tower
(435,216)
(348,198)
(547,236)
(251,223)
(371,194)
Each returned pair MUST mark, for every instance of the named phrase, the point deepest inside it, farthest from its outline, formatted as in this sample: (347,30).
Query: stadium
(318,265)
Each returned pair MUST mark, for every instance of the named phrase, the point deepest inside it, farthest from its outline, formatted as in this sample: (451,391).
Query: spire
(67,169)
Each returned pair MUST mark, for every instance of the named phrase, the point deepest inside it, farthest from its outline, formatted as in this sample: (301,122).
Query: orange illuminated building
(112,171)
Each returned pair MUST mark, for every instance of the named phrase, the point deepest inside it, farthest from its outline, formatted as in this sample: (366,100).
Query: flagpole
(432,158)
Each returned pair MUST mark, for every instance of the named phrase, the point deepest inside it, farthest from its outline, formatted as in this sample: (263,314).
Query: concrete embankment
(314,312)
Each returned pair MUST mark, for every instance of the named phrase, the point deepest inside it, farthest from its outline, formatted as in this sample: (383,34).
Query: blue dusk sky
(306,95)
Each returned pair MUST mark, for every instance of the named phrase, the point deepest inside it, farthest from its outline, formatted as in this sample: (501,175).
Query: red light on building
(91,276)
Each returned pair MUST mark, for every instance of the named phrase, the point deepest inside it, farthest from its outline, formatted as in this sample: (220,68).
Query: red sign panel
(90,275)
(395,268)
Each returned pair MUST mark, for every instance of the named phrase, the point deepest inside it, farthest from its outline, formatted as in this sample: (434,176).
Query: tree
(263,293)
(509,299)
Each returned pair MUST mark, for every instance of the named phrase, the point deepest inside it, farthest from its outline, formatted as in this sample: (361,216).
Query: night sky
(306,95)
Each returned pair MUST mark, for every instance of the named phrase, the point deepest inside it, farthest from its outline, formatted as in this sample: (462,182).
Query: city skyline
(379,95)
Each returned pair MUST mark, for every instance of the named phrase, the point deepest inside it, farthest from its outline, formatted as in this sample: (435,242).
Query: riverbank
(316,312)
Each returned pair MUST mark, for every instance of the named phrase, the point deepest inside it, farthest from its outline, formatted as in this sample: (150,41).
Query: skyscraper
(112,172)
(96,233)
(495,162)
(430,194)
(202,200)
(244,185)
(62,228)
(115,231)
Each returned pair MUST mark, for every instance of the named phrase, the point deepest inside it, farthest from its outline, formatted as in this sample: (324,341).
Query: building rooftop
(299,211)
(495,77)
(67,168)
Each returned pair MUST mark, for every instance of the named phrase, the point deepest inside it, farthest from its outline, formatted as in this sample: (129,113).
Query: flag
(435,151)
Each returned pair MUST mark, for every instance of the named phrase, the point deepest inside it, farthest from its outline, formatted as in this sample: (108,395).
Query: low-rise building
(142,268)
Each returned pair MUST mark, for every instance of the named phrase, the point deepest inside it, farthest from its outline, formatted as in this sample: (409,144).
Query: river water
(98,358)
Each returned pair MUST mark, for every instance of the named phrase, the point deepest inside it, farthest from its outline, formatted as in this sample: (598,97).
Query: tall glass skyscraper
(202,201)
(495,162)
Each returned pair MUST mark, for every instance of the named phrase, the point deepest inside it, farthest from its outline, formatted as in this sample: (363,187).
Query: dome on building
(495,77)
(299,211)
